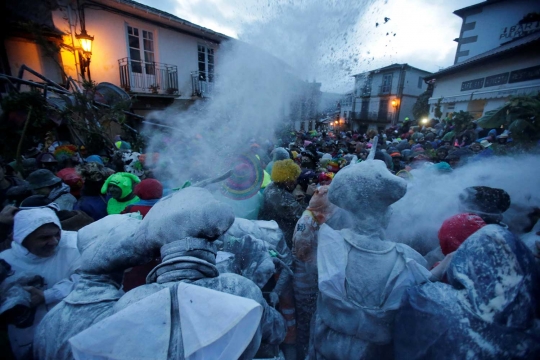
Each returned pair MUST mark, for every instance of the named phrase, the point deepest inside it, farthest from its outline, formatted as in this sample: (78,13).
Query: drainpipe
(401,84)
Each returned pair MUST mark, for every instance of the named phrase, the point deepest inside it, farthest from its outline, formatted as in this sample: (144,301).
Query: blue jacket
(95,206)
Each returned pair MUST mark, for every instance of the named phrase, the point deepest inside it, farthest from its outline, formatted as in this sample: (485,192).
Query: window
(206,63)
(141,50)
(420,82)
(386,87)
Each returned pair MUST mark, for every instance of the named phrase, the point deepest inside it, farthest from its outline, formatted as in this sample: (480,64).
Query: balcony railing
(373,116)
(202,83)
(148,77)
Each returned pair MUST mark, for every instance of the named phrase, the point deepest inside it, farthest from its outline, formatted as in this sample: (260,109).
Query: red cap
(455,230)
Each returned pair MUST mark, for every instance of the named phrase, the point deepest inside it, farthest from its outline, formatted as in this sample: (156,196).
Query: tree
(519,115)
(421,107)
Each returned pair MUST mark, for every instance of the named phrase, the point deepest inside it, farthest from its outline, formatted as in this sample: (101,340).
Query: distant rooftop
(392,67)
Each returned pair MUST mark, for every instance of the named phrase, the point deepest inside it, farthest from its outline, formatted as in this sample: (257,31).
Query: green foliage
(15,109)
(421,107)
(520,115)
(461,120)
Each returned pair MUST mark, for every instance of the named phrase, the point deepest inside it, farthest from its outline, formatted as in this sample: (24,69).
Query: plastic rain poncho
(182,227)
(486,311)
(55,270)
(93,297)
(362,277)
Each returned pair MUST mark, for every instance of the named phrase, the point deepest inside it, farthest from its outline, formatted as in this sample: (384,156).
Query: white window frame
(209,68)
(142,51)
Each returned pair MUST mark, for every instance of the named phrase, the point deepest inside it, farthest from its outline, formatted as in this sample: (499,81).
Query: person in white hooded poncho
(40,247)
(186,310)
(362,277)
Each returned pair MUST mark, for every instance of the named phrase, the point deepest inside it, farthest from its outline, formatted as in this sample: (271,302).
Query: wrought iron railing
(148,77)
(372,116)
(202,83)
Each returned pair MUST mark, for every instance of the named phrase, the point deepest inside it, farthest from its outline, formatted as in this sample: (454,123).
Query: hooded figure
(185,319)
(487,202)
(149,192)
(277,154)
(305,262)
(44,182)
(486,311)
(40,247)
(91,201)
(92,298)
(279,203)
(120,187)
(361,275)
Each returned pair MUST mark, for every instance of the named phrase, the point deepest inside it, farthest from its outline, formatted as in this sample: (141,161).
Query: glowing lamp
(424,121)
(86,42)
(394,103)
(85,53)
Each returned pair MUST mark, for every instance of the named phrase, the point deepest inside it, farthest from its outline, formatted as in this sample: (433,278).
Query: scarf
(188,259)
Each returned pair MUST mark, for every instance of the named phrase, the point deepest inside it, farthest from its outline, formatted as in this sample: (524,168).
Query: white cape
(215,325)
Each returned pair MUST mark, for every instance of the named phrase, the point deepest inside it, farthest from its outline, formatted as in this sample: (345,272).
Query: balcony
(202,84)
(148,77)
(385,89)
(374,116)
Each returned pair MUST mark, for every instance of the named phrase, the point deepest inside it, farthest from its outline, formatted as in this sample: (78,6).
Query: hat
(485,200)
(285,170)
(246,178)
(368,184)
(46,158)
(443,166)
(123,180)
(325,176)
(70,177)
(485,143)
(28,221)
(42,178)
(395,154)
(94,158)
(149,189)
(455,230)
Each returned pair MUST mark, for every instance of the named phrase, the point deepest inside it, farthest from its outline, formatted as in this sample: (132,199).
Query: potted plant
(154,88)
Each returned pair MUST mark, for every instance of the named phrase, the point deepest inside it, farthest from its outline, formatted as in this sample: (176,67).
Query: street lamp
(394,103)
(85,41)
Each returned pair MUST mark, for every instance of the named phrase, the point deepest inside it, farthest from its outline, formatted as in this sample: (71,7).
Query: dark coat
(281,206)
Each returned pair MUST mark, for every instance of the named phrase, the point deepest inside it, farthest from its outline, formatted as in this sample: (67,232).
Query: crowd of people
(284,256)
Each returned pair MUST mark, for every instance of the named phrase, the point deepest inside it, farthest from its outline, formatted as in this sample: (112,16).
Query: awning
(490,94)
(450,99)
(527,90)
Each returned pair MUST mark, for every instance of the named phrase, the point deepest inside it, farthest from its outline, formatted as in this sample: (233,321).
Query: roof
(503,50)
(163,18)
(465,10)
(392,67)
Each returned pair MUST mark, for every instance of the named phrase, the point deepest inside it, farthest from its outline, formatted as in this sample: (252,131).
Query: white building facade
(498,56)
(383,97)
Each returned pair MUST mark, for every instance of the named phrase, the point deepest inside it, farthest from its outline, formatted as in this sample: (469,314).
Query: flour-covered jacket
(56,271)
(486,311)
(62,197)
(361,282)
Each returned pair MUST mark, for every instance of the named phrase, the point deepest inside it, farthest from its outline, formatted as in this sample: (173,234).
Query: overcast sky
(331,40)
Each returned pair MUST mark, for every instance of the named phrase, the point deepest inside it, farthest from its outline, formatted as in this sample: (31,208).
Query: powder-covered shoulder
(68,240)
